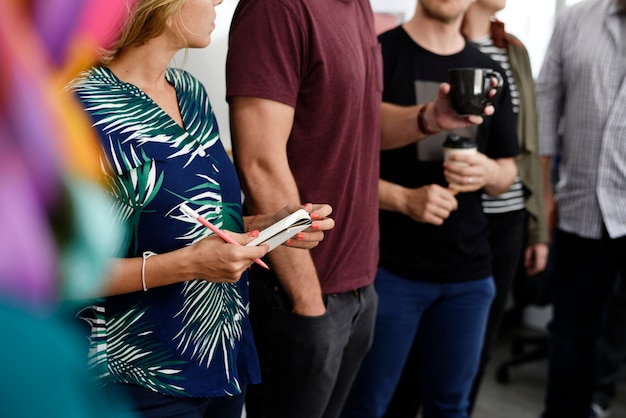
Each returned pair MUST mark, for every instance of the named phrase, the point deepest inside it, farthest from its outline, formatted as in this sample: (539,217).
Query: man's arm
(260,131)
(399,124)
(429,204)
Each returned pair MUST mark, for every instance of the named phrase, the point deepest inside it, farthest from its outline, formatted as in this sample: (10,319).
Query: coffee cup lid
(458,141)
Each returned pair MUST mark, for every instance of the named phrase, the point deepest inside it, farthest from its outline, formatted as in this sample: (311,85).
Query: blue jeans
(307,363)
(585,273)
(448,320)
(506,240)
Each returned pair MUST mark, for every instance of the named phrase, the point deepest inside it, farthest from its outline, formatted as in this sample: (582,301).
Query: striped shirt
(580,80)
(513,199)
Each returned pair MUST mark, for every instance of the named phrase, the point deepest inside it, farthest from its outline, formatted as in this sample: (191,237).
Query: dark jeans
(585,271)
(150,404)
(447,321)
(307,363)
(506,238)
(612,348)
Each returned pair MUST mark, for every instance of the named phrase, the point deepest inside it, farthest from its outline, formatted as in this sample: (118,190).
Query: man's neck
(442,38)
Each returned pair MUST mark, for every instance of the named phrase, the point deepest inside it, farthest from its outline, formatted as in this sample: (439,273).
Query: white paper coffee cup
(458,145)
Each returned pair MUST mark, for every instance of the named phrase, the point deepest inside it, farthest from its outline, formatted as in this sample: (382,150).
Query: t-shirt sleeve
(265,47)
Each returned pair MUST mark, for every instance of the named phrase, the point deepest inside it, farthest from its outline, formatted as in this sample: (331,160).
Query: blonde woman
(171,331)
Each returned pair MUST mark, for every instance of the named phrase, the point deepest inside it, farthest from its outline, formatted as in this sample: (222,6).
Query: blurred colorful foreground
(54,233)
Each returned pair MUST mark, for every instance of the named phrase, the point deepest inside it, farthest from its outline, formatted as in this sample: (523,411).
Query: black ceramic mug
(469,89)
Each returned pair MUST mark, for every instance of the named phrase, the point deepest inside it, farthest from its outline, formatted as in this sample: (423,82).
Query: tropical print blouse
(190,339)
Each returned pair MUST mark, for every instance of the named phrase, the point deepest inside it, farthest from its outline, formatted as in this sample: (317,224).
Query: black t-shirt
(458,250)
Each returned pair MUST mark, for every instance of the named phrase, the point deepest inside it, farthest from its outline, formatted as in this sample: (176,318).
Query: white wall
(208,65)
(530,20)
(405,7)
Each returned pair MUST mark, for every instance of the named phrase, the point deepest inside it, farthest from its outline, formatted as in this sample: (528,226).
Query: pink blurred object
(101,19)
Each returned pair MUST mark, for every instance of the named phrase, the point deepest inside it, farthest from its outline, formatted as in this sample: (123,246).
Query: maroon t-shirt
(322,58)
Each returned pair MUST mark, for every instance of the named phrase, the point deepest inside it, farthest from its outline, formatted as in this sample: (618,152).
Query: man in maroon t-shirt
(304,83)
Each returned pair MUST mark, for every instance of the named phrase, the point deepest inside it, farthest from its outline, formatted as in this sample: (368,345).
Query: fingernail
(314,215)
(254,233)
(300,236)
(315,225)
(289,241)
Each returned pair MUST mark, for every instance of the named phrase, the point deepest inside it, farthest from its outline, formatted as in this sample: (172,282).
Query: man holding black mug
(434,277)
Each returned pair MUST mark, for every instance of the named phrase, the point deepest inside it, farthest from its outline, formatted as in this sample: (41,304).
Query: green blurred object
(87,241)
(44,373)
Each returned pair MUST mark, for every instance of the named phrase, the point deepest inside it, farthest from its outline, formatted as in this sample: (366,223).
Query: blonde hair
(144,20)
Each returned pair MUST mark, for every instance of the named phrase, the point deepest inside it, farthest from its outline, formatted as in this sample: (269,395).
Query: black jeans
(507,239)
(612,348)
(585,272)
(308,364)
(150,404)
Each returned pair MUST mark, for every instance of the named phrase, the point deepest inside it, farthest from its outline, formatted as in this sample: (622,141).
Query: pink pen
(196,216)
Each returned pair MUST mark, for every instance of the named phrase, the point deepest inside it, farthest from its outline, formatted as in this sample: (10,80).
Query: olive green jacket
(528,162)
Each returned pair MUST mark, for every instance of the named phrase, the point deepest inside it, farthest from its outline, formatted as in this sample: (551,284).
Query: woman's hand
(536,258)
(307,239)
(312,236)
(214,260)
